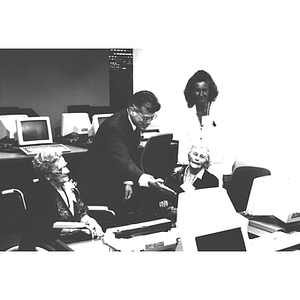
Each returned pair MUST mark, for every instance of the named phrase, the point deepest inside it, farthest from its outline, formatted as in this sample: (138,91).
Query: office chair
(12,221)
(155,155)
(240,186)
(102,214)
(155,160)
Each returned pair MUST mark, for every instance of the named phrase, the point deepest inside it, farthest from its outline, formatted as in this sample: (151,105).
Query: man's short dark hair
(145,99)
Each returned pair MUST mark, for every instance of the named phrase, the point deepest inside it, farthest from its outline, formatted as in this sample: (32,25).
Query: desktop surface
(82,144)
(159,241)
(90,246)
(19,155)
(170,241)
(16,170)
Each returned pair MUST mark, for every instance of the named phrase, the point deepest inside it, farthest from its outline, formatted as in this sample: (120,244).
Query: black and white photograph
(149,149)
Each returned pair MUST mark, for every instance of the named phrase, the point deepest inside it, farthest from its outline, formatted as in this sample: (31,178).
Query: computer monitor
(207,221)
(75,123)
(8,127)
(97,120)
(34,130)
(275,196)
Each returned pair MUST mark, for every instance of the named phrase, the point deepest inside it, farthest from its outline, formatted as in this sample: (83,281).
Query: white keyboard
(35,149)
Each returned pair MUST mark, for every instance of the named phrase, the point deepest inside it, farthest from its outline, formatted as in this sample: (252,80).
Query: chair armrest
(100,208)
(69,225)
(76,226)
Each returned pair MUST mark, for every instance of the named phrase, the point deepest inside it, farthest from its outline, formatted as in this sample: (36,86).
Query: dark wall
(121,88)
(48,80)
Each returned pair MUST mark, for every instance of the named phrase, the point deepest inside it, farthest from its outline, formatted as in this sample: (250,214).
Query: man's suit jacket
(109,162)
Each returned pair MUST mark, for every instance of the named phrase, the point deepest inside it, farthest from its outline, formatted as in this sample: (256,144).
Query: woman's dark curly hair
(200,76)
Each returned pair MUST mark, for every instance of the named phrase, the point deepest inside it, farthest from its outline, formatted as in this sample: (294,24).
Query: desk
(160,241)
(16,170)
(17,156)
(90,246)
(100,246)
(276,241)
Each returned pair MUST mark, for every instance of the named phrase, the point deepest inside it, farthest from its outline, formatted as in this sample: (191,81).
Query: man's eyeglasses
(145,119)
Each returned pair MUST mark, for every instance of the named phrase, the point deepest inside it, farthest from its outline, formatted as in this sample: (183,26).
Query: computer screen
(227,240)
(97,120)
(34,130)
(8,127)
(75,123)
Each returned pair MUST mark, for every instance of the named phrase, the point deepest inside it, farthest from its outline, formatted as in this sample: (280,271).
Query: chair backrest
(12,218)
(154,158)
(13,221)
(240,187)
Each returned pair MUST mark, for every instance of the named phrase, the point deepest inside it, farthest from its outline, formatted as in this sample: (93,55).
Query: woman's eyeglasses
(61,170)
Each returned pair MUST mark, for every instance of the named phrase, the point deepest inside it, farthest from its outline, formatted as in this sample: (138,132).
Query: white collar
(132,125)
(200,173)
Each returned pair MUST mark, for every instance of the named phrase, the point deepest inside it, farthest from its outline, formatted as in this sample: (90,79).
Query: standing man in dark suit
(107,172)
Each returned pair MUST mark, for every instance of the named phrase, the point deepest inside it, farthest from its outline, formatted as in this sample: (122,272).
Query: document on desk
(90,246)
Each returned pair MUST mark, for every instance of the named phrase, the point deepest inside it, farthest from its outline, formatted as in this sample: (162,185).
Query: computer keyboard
(144,230)
(35,149)
(131,230)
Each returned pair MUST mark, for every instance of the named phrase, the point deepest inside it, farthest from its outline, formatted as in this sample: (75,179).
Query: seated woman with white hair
(190,177)
(52,200)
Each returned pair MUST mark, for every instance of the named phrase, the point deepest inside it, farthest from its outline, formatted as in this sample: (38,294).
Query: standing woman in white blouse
(200,125)
(200,92)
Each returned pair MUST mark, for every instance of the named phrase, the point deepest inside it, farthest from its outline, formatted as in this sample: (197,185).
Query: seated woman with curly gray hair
(54,199)
(192,176)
